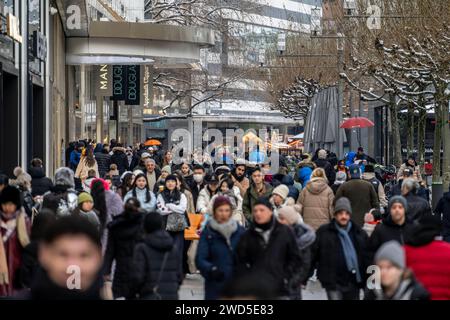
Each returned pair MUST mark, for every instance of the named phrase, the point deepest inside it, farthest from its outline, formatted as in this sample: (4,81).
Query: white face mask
(198,178)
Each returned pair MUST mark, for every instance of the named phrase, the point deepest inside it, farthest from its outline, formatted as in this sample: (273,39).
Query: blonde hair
(319,173)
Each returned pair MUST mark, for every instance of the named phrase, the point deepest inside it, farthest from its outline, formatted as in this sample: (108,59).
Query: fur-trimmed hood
(64,177)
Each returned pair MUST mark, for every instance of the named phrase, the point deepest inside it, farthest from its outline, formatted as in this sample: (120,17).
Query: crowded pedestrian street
(202,153)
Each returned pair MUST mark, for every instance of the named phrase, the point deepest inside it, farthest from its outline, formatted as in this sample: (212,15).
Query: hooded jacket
(329,170)
(316,200)
(40,184)
(147,263)
(417,206)
(124,233)
(305,169)
(362,196)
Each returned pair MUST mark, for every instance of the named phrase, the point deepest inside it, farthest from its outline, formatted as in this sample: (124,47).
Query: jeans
(349,292)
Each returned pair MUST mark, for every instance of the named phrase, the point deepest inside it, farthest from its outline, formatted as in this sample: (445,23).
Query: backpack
(61,203)
(375,183)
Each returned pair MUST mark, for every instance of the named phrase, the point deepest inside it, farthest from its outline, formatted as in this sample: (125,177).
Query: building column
(99,119)
(23,151)
(83,101)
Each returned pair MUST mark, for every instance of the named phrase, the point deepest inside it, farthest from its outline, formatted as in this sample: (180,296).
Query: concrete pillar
(83,101)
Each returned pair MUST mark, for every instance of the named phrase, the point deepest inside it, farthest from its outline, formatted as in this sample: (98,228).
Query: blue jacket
(289,182)
(75,157)
(350,158)
(213,250)
(304,174)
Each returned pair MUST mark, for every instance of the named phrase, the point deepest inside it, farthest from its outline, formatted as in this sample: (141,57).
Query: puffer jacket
(417,206)
(316,200)
(147,267)
(203,200)
(305,169)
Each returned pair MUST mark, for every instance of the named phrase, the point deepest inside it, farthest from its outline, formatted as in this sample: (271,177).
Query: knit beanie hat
(343,204)
(11,194)
(220,201)
(341,177)
(397,199)
(84,197)
(263,201)
(322,154)
(282,190)
(152,222)
(391,251)
(171,177)
(290,214)
(166,169)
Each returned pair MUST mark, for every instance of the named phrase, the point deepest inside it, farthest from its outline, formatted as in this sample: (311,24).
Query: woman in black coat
(125,231)
(157,273)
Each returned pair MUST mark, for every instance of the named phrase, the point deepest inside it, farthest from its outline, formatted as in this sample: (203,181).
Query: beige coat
(316,200)
(83,169)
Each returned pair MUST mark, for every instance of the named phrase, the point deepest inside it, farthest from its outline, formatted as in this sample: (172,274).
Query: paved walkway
(192,289)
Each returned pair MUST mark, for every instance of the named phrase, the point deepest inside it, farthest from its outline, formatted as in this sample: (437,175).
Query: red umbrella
(358,122)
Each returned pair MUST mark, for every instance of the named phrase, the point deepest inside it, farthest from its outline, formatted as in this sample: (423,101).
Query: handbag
(155,294)
(195,222)
(175,222)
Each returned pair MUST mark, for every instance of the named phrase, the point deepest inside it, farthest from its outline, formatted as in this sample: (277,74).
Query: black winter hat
(171,177)
(152,222)
(265,202)
(11,194)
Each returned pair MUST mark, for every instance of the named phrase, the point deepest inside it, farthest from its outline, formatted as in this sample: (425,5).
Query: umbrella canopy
(357,122)
(152,142)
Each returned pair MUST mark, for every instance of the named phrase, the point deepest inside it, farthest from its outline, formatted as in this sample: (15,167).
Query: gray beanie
(393,252)
(64,177)
(343,204)
(397,199)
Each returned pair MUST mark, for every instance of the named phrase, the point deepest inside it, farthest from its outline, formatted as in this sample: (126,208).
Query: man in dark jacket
(103,159)
(340,252)
(323,163)
(155,263)
(269,248)
(69,242)
(394,226)
(198,182)
(417,206)
(120,159)
(443,210)
(397,189)
(40,184)
(361,194)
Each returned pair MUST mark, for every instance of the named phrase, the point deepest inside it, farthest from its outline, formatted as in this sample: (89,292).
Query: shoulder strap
(163,265)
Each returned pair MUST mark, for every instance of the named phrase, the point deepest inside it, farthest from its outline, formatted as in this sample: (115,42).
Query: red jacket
(431,265)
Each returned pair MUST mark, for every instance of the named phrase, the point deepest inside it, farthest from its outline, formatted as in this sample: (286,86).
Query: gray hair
(150,160)
(409,185)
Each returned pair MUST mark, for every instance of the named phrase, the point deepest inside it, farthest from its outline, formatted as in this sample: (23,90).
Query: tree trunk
(446,141)
(396,142)
(421,137)
(410,138)
(437,143)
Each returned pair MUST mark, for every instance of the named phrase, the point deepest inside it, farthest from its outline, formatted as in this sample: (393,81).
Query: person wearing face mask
(197,183)
(340,253)
(217,244)
(14,237)
(142,192)
(268,247)
(205,195)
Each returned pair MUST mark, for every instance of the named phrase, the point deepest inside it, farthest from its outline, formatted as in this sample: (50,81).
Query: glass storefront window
(34,24)
(6,43)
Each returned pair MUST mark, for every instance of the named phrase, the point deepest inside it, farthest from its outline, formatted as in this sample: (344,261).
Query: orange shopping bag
(195,222)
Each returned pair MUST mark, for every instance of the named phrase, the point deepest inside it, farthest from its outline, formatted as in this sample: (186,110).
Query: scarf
(349,250)
(16,223)
(264,230)
(225,229)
